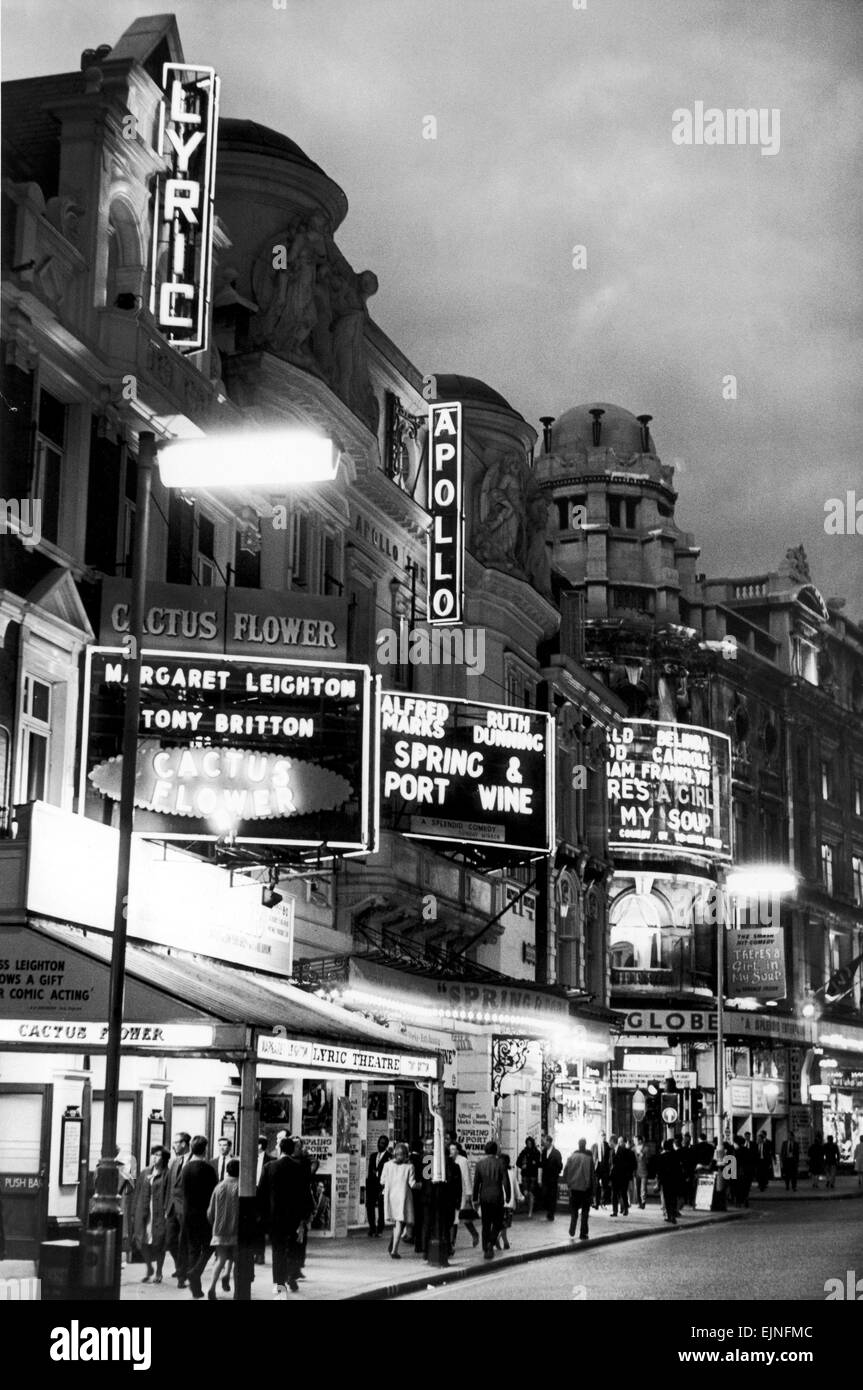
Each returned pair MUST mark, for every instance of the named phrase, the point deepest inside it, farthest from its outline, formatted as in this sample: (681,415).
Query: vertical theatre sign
(183,207)
(446,537)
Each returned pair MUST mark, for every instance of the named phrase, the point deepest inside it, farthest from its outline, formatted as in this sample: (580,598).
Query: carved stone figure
(288,292)
(351,378)
(796,566)
(499,536)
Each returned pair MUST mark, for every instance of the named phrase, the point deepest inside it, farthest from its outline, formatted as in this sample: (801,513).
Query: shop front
(515,1057)
(195,1033)
(836,1088)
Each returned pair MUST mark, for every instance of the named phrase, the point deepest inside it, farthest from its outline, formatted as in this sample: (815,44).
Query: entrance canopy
(55,998)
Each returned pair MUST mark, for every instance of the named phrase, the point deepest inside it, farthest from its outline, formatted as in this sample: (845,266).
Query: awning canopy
(185,1005)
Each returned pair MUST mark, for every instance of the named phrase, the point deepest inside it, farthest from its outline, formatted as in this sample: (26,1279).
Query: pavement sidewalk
(846,1186)
(359,1268)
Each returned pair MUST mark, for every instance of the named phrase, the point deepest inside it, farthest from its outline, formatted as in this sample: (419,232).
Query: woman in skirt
(466,1216)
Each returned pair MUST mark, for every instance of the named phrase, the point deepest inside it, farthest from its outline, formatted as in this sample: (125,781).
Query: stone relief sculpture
(498,538)
(313,309)
(538,558)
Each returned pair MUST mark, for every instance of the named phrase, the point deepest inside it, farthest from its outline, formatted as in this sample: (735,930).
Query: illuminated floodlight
(754,880)
(278,459)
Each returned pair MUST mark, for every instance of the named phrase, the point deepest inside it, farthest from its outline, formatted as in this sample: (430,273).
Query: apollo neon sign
(446,537)
(183,210)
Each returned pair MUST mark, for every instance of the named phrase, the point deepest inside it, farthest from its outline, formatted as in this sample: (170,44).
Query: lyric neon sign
(446,537)
(183,209)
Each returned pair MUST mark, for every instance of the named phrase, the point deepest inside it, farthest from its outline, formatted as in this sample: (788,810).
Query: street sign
(639,1105)
(669,1114)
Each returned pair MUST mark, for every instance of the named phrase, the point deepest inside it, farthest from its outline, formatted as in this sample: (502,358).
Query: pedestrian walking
(668,1172)
(528,1165)
(466,1215)
(642,1160)
(491,1192)
(317,1206)
(622,1170)
(815,1156)
(199,1179)
(452,1195)
(687,1163)
(789,1161)
(764,1160)
(601,1154)
(580,1177)
(223,1214)
(704,1151)
(858,1159)
(149,1220)
(745,1156)
(375,1185)
(264,1160)
(552,1167)
(290,1205)
(831,1160)
(175,1240)
(398,1180)
(220,1161)
(510,1205)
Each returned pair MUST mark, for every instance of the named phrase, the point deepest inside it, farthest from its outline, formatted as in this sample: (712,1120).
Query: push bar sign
(446,537)
(183,210)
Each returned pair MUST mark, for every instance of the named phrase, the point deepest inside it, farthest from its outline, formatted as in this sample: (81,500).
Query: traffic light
(669,1102)
(696,1109)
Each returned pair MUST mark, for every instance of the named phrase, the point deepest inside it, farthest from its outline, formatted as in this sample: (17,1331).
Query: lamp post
(743,881)
(265,458)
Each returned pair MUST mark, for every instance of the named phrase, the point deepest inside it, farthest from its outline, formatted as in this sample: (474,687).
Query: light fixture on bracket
(269,896)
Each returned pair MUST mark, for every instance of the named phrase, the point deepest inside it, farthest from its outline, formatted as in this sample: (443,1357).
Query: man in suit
(175,1241)
(670,1177)
(601,1154)
(789,1160)
(262,1198)
(220,1162)
(374,1185)
(763,1160)
(199,1180)
(552,1167)
(290,1207)
(491,1192)
(622,1169)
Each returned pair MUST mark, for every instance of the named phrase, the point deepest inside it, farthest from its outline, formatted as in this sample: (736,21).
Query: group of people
(187,1205)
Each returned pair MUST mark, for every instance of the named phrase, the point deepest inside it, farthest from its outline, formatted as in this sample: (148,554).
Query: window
(804,660)
(827,867)
(300,549)
(35,739)
(858,796)
(513,685)
(48,462)
(127,517)
(623,512)
(826,780)
(247,559)
(206,566)
(857,879)
(330,560)
(181,535)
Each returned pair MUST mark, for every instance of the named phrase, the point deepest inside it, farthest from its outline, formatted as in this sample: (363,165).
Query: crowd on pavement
(186,1204)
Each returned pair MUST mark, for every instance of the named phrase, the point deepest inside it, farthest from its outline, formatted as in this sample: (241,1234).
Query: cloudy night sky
(554,130)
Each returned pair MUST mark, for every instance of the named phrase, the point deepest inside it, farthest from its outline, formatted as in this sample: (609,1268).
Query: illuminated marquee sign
(446,537)
(183,209)
(669,787)
(272,752)
(466,772)
(300,1052)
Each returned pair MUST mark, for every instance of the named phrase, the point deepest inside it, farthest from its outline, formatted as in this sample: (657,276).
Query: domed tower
(616,542)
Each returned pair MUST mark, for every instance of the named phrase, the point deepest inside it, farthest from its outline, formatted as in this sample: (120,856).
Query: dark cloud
(554,129)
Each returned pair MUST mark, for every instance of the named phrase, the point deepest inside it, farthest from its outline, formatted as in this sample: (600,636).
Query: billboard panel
(465,772)
(669,788)
(271,752)
(755,960)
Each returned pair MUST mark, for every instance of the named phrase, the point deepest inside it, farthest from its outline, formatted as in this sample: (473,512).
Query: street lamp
(269,458)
